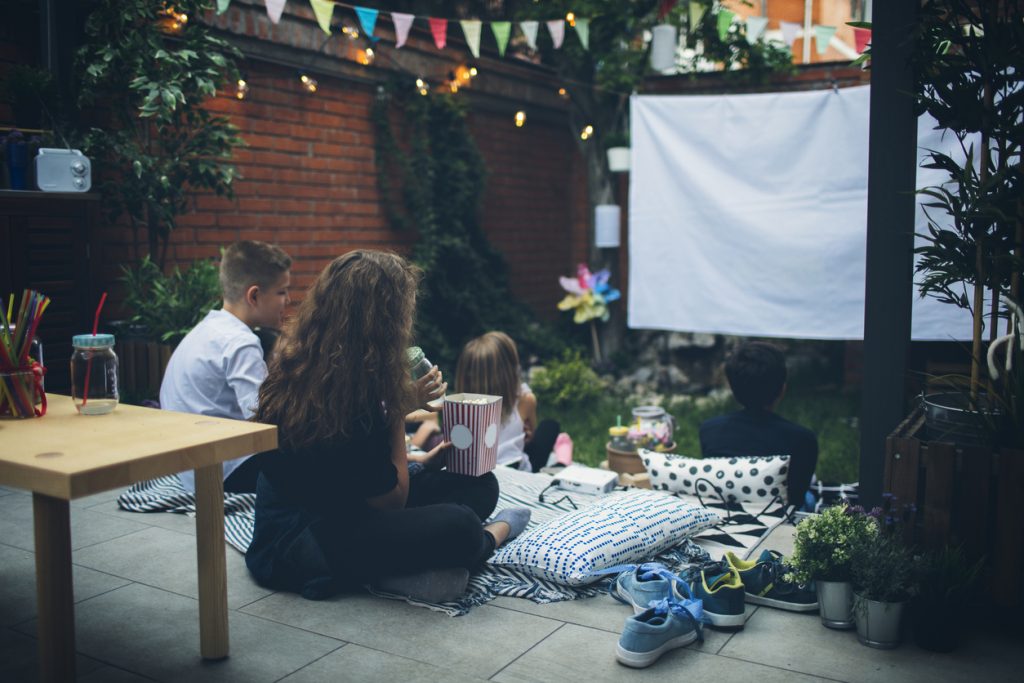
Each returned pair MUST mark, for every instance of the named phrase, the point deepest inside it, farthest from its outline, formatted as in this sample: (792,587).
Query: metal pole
(892,166)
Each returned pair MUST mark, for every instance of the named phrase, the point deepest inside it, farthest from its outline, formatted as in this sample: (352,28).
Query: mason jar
(94,374)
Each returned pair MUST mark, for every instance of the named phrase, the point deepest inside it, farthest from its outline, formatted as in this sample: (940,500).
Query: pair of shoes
(667,624)
(716,585)
(765,582)
(432,585)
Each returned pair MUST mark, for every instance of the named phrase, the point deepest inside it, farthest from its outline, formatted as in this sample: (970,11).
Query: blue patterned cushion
(748,480)
(629,526)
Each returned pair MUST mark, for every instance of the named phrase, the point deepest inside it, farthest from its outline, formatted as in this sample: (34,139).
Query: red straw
(88,367)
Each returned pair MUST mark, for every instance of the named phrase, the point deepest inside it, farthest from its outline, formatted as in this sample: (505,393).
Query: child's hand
(434,459)
(428,388)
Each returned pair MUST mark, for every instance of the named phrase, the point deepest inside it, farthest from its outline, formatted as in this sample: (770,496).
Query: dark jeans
(541,444)
(440,527)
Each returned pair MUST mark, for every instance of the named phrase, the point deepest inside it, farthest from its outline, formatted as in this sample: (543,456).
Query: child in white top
(218,367)
(489,364)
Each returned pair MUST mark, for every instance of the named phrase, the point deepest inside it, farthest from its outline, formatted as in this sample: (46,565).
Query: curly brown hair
(342,359)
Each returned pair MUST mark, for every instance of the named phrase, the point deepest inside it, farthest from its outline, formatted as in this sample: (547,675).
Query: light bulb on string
(562,92)
(170,20)
(350,31)
(309,83)
(587,131)
(571,18)
(365,57)
(241,89)
(421,86)
(520,118)
(473,72)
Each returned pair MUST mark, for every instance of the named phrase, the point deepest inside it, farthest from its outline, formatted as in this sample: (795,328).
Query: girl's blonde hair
(489,364)
(342,360)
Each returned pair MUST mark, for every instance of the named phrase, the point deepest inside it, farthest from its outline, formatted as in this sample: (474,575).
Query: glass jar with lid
(94,374)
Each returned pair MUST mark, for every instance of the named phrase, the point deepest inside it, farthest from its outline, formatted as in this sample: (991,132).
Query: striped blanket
(745,529)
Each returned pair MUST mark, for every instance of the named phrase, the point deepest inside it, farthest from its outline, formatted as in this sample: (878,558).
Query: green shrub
(169,306)
(569,380)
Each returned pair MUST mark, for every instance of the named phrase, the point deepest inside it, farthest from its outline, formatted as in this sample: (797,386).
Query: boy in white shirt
(218,367)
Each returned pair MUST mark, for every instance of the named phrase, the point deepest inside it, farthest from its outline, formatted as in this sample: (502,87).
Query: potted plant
(617,145)
(945,583)
(822,553)
(883,578)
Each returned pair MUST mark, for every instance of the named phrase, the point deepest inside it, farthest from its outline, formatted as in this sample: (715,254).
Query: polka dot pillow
(622,527)
(747,480)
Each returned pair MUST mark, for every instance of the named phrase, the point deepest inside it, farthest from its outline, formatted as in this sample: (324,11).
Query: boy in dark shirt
(757,376)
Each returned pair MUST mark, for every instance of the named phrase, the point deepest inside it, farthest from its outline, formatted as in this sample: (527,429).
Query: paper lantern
(606,226)
(663,47)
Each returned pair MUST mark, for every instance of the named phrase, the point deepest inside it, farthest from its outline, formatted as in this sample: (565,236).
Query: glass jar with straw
(94,370)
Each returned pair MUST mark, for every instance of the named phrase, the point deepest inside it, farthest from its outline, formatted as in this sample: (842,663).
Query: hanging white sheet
(747,216)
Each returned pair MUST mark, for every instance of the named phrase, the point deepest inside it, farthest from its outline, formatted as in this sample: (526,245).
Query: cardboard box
(471,422)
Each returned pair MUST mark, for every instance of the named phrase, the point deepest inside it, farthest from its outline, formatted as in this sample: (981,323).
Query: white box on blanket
(583,479)
(471,422)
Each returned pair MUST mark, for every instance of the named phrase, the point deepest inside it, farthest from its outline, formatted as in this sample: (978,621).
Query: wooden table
(64,455)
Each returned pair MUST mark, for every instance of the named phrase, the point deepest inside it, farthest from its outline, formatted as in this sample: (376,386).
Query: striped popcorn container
(471,423)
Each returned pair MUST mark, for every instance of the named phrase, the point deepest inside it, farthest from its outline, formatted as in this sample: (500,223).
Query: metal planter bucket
(878,623)
(950,417)
(835,603)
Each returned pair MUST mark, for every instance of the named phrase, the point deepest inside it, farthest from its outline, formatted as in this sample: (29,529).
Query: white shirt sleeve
(245,371)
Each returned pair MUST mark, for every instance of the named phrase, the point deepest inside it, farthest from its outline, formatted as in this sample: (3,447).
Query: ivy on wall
(431,180)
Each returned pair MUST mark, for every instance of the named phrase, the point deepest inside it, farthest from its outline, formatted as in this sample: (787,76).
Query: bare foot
(499,530)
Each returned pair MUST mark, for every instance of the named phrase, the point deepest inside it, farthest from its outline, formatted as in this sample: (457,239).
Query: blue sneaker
(719,588)
(765,583)
(664,626)
(640,585)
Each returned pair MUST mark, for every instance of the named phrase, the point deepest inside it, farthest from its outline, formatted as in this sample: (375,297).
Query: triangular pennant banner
(583,31)
(529,29)
(789,30)
(439,27)
(725,18)
(861,39)
(324,10)
(696,13)
(556,27)
(367,19)
(755,27)
(222,6)
(471,29)
(274,9)
(402,22)
(664,7)
(822,35)
(501,30)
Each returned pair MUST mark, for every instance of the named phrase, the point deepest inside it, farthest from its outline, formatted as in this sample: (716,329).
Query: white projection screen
(747,216)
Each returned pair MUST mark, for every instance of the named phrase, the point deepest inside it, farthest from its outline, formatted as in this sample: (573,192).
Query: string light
(520,118)
(587,131)
(170,20)
(309,83)
(421,85)
(571,18)
(365,57)
(562,92)
(241,89)
(350,31)
(472,72)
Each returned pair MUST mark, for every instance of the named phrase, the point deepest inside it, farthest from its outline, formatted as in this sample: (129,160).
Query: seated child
(336,504)
(218,367)
(489,364)
(757,376)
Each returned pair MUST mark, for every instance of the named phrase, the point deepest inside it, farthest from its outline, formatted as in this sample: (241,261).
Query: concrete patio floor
(136,619)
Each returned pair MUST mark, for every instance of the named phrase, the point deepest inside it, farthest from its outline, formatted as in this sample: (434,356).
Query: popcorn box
(471,422)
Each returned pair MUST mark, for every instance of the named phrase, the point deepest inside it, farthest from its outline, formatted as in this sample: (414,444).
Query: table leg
(54,592)
(213,581)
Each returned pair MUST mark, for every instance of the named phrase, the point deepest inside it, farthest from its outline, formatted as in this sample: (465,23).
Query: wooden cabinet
(45,244)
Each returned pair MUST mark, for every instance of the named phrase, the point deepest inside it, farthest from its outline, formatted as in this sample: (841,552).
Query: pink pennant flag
(439,27)
(403,22)
(789,31)
(556,27)
(861,39)
(274,9)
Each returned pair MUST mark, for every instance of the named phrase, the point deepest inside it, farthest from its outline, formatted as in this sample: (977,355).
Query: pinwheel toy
(588,297)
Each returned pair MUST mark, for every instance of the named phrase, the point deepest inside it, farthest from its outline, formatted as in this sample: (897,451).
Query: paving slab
(579,653)
(174,521)
(19,662)
(18,584)
(87,527)
(478,644)
(156,634)
(167,559)
(97,499)
(363,665)
(800,643)
(111,674)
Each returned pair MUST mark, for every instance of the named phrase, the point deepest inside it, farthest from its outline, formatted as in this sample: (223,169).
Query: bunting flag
(439,27)
(403,22)
(696,13)
(274,9)
(367,19)
(583,31)
(501,30)
(324,10)
(861,39)
(755,27)
(556,27)
(789,31)
(725,18)
(222,6)
(529,29)
(471,29)
(822,35)
(664,7)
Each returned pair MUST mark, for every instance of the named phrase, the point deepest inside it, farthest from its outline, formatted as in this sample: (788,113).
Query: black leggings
(541,444)
(440,527)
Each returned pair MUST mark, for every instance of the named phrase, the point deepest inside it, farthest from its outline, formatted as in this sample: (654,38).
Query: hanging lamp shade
(663,47)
